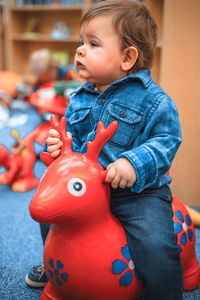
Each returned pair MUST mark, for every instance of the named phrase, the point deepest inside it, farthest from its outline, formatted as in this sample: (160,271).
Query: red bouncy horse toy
(86,255)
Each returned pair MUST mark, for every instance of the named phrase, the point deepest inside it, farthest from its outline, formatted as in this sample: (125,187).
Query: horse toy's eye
(76,187)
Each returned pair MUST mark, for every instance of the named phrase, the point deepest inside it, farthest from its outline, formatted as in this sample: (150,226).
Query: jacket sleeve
(154,157)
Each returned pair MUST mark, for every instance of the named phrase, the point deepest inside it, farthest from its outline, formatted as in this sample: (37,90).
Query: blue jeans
(147,220)
(44,229)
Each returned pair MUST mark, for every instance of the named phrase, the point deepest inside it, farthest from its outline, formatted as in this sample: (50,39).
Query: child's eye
(81,43)
(93,44)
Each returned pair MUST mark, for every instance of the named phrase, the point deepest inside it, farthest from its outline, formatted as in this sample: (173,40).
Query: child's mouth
(80,66)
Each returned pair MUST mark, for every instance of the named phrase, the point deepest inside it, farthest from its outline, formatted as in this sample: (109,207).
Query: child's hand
(121,174)
(54,143)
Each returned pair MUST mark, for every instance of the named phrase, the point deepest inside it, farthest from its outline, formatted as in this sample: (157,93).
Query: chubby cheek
(75,61)
(84,74)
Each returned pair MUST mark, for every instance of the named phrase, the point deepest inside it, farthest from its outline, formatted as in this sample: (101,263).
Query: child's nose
(81,51)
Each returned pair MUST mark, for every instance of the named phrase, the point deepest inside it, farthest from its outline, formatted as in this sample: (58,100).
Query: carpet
(20,244)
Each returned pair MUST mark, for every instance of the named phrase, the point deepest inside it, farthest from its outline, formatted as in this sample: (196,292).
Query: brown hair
(134,25)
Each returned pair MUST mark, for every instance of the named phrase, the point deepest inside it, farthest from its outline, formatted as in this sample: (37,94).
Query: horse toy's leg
(195,215)
(10,165)
(184,229)
(49,293)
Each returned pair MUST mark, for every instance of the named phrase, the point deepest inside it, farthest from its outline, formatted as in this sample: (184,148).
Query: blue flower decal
(119,266)
(56,272)
(183,227)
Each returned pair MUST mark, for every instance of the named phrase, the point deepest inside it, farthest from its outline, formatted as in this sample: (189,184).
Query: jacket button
(123,114)
(101,101)
(76,116)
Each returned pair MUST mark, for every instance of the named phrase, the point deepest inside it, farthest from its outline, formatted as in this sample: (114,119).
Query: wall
(179,76)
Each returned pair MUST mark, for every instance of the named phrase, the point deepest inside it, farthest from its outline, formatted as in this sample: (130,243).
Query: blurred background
(28,25)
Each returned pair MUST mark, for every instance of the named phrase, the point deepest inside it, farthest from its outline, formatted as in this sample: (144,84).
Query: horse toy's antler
(93,147)
(60,126)
(102,136)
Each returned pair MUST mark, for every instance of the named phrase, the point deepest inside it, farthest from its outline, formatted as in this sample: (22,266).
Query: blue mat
(20,241)
(21,245)
(21,116)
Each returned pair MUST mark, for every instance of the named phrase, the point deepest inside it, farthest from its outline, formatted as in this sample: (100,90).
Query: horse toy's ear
(46,158)
(103,175)
(60,126)
(102,136)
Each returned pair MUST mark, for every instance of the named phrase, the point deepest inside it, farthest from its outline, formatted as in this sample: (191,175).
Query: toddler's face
(99,57)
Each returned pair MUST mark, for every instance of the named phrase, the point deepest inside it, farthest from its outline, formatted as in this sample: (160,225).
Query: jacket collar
(143,75)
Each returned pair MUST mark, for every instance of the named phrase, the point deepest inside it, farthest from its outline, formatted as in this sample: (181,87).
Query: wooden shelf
(22,44)
(43,38)
(47,8)
(21,41)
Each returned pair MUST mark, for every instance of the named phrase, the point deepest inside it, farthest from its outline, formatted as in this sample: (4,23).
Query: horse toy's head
(73,186)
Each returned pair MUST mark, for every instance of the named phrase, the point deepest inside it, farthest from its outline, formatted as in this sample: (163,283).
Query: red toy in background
(46,99)
(49,98)
(8,85)
(19,165)
(86,255)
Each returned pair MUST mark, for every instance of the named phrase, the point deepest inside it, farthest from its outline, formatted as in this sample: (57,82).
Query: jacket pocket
(80,122)
(128,119)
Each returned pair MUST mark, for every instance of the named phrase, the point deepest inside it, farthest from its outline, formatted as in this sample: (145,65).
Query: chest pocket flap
(124,113)
(79,115)
(129,120)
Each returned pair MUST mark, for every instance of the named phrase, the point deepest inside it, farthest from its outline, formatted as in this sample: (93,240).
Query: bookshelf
(30,26)
(20,45)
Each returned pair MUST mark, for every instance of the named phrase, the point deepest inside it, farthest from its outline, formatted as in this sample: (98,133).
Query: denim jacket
(148,133)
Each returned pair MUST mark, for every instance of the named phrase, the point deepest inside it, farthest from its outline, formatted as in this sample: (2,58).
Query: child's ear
(130,56)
